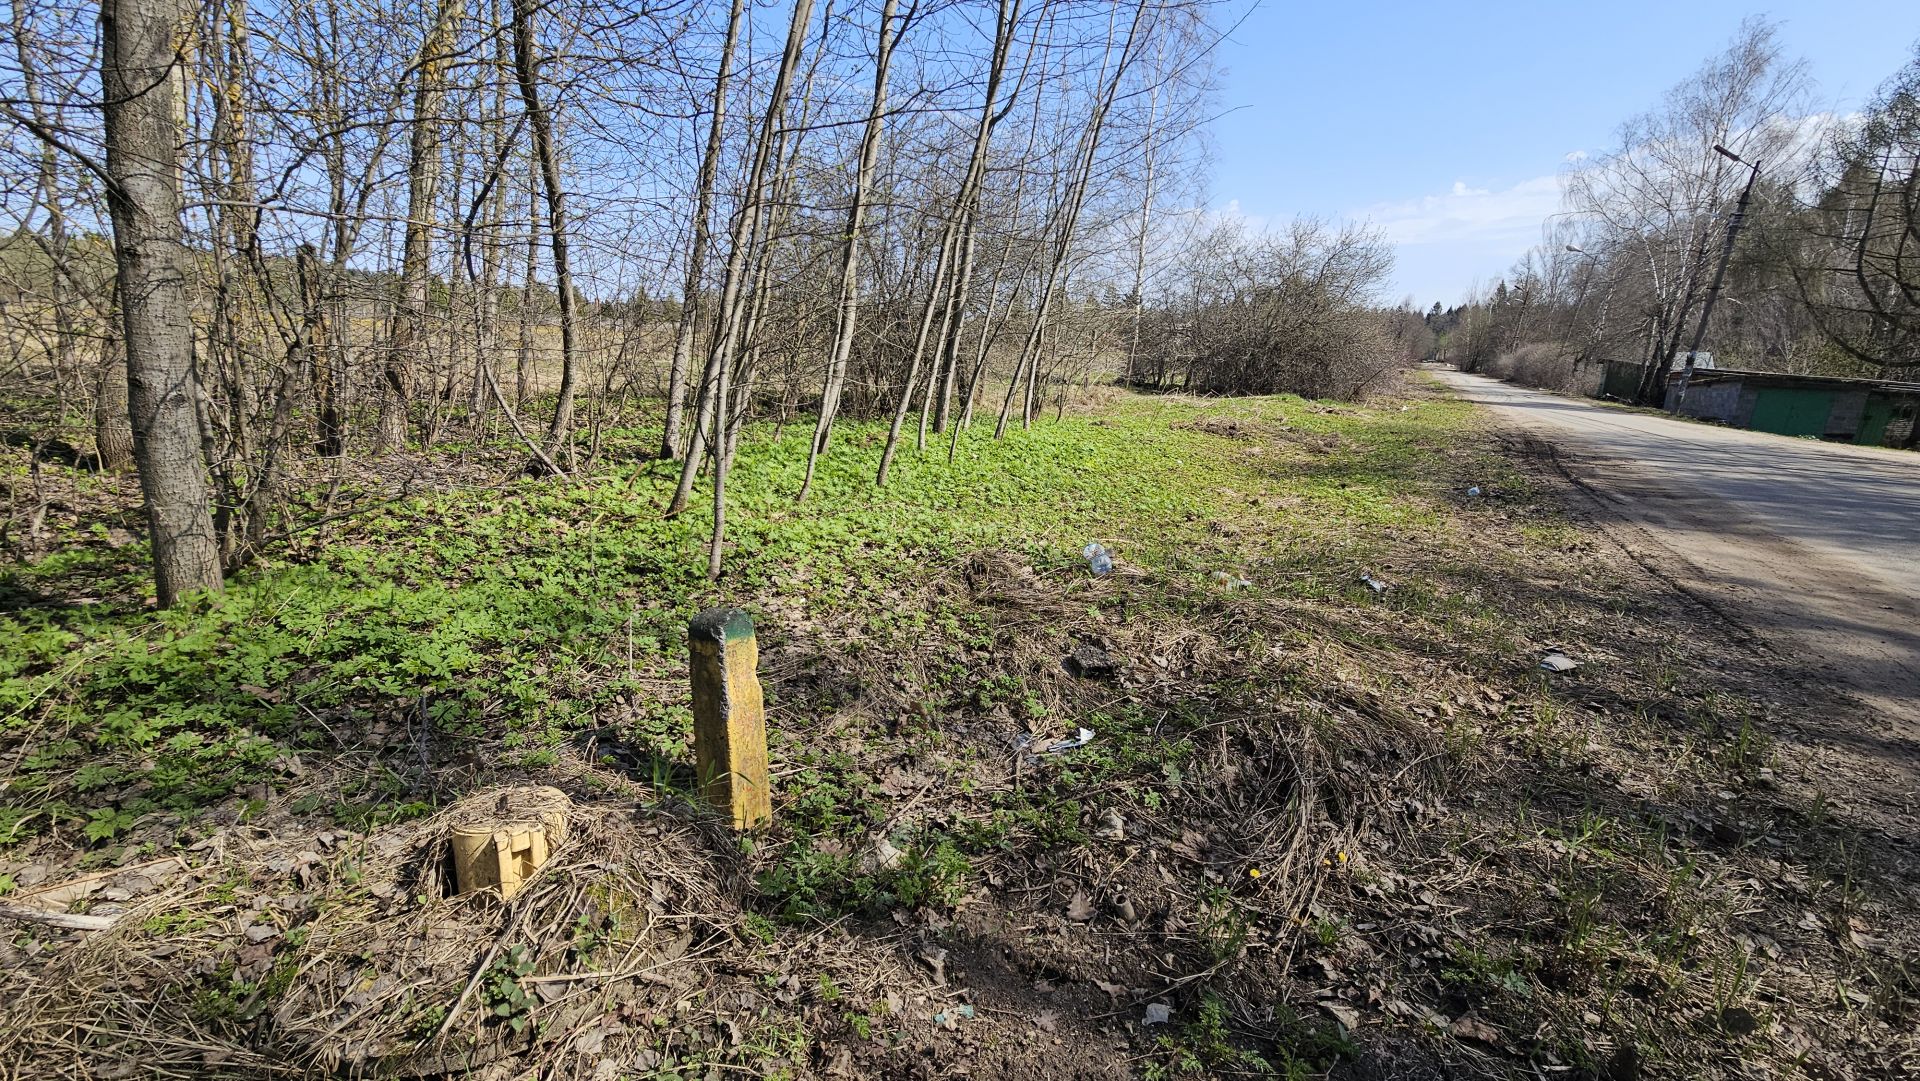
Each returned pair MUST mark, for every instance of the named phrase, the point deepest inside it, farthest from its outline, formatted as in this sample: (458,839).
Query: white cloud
(1470,214)
(1232,213)
(1447,242)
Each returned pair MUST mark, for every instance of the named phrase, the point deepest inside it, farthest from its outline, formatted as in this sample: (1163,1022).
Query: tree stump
(500,840)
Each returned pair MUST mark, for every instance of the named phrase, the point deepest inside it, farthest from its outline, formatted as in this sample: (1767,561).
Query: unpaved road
(1813,548)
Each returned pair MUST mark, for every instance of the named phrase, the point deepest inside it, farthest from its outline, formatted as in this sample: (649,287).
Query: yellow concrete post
(729,716)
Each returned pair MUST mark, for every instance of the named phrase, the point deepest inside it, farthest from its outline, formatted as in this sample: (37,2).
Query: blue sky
(1447,125)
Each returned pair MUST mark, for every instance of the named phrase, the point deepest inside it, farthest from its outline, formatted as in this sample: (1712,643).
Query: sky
(1447,126)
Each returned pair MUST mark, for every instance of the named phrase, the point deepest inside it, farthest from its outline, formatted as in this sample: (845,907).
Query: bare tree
(848,313)
(526,70)
(1863,287)
(943,296)
(670,438)
(716,379)
(1661,191)
(423,179)
(139,79)
(1106,86)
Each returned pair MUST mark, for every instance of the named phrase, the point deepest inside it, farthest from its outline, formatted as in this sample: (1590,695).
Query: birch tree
(848,313)
(939,297)
(548,157)
(715,381)
(423,179)
(1662,192)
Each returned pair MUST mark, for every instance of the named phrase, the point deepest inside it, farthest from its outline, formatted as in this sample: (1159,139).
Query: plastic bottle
(1097,558)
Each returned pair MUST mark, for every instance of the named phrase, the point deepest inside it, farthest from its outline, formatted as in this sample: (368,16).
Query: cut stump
(500,840)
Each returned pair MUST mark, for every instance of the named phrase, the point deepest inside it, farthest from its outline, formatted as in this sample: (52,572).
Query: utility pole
(1726,255)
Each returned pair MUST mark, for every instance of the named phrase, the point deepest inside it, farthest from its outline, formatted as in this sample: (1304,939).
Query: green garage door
(1791,412)
(1622,381)
(1873,421)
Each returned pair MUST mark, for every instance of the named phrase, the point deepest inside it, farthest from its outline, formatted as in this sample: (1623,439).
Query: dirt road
(1812,548)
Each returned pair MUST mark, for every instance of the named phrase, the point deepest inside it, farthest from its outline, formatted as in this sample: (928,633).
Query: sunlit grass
(519,612)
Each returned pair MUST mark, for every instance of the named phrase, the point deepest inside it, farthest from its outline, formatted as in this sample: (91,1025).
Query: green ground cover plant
(1329,829)
(517,613)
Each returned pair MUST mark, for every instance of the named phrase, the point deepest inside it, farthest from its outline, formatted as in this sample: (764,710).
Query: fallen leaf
(1080,907)
(591,1041)
(1468,1027)
(1868,942)
(900,782)
(1348,1017)
(935,959)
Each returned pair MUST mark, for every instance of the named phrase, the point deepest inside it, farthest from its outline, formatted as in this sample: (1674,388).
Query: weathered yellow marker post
(729,716)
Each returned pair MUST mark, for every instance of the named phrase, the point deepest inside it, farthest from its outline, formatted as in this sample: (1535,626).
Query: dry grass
(383,948)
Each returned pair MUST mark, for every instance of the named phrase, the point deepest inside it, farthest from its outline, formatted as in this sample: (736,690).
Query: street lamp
(1726,255)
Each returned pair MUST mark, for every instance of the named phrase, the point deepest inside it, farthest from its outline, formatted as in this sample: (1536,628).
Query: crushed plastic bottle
(1475,490)
(1080,739)
(1099,561)
(1556,661)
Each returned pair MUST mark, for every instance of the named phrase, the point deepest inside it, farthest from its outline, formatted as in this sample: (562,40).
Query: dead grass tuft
(340,952)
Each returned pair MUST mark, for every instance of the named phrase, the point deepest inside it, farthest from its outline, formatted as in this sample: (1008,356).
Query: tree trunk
(48,188)
(947,356)
(990,330)
(143,137)
(487,328)
(943,290)
(710,409)
(112,435)
(523,353)
(671,437)
(948,240)
(1063,244)
(423,179)
(1140,247)
(726,426)
(849,311)
(524,62)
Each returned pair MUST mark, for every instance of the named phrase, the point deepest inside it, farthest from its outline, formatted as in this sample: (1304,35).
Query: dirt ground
(1844,641)
(1325,831)
(1805,544)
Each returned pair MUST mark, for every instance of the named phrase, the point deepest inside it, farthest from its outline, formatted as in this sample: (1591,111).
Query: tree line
(1822,276)
(246,237)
